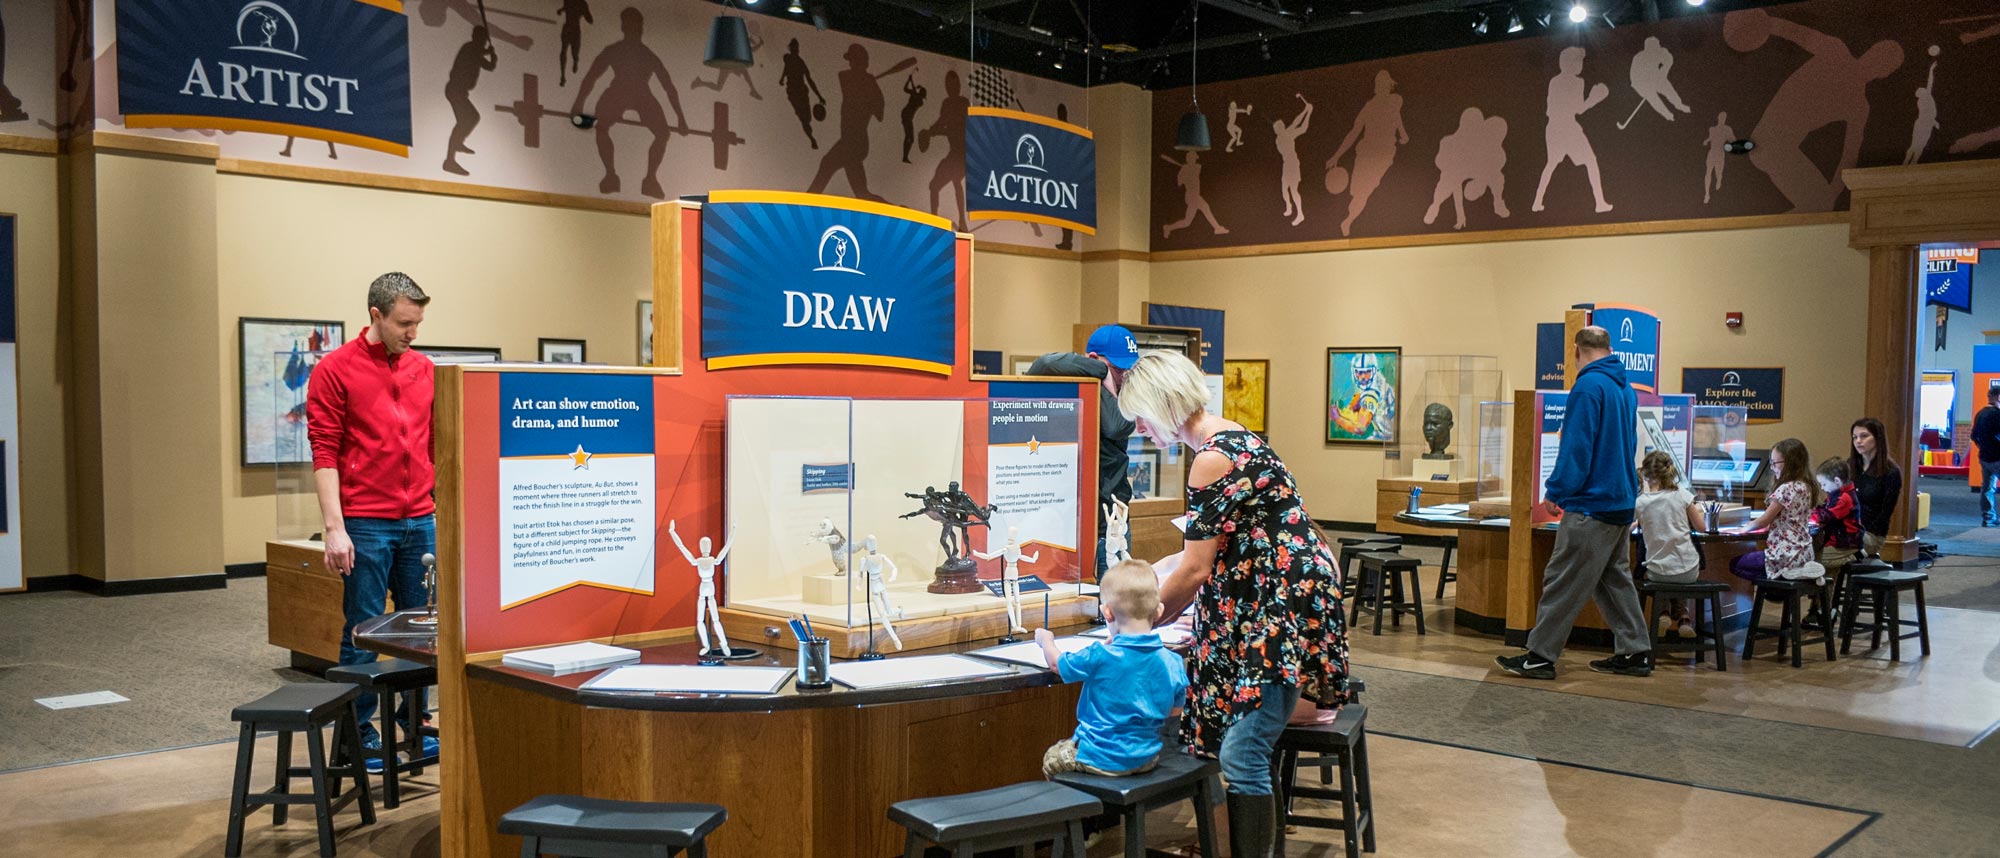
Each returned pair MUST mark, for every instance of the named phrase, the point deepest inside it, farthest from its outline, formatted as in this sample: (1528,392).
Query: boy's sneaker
(430,746)
(1630,664)
(1527,665)
(1687,629)
(1666,625)
(371,756)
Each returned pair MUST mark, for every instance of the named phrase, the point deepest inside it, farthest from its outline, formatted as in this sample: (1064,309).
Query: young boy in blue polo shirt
(1131,682)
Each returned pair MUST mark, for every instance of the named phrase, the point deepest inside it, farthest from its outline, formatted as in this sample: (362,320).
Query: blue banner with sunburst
(333,70)
(791,278)
(1019,166)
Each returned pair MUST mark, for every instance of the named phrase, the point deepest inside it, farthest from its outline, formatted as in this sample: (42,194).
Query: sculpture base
(957,575)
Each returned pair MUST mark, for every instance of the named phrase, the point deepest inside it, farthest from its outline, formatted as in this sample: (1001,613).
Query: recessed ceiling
(1148,42)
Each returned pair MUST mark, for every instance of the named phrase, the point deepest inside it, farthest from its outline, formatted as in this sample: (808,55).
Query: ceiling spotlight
(1577,13)
(820,21)
(1058,62)
(1696,3)
(1264,49)
(795,7)
(1514,24)
(1479,26)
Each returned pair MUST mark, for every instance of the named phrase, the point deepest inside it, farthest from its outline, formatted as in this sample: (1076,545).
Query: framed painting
(1363,387)
(560,351)
(445,355)
(1246,392)
(276,357)
(1143,470)
(1019,363)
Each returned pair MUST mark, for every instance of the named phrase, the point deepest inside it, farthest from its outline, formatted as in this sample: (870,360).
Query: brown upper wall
(1818,86)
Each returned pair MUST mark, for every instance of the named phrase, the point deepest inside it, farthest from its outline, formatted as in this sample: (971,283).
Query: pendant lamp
(728,43)
(1192,135)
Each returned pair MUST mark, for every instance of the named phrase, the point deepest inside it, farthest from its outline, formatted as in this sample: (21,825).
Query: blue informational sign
(1554,406)
(1040,421)
(1635,339)
(987,363)
(334,70)
(1759,389)
(1948,283)
(1209,321)
(826,478)
(1029,584)
(1550,352)
(7,278)
(1019,166)
(790,278)
(551,415)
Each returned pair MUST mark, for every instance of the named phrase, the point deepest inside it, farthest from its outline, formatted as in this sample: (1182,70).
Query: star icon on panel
(1034,445)
(580,458)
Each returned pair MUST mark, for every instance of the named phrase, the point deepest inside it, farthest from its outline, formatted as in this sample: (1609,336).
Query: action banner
(1759,389)
(577,484)
(1031,462)
(333,70)
(791,278)
(12,575)
(1635,339)
(1019,166)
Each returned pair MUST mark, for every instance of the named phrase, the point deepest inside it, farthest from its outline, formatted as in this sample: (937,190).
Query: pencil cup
(815,656)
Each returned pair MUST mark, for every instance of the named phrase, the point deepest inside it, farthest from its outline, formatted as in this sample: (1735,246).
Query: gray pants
(1592,560)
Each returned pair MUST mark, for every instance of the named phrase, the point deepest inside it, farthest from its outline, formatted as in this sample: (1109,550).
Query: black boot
(1252,822)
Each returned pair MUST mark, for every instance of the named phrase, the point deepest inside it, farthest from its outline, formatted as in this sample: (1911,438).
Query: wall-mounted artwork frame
(1363,392)
(270,390)
(557,350)
(1246,393)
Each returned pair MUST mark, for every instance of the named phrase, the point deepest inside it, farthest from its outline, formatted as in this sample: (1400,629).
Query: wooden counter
(1392,497)
(302,602)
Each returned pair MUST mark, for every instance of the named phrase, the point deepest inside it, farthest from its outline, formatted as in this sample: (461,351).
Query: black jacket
(1986,433)
(1113,430)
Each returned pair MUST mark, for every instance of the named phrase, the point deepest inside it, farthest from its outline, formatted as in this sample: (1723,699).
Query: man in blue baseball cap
(1110,351)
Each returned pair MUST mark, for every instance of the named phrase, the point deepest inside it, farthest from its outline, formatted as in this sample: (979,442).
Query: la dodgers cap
(1115,344)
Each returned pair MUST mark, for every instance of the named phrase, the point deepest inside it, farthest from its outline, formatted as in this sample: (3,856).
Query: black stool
(304,707)
(1886,589)
(1388,538)
(573,826)
(1703,597)
(1444,568)
(1791,623)
(1018,816)
(1177,778)
(1350,586)
(1343,743)
(1381,589)
(399,684)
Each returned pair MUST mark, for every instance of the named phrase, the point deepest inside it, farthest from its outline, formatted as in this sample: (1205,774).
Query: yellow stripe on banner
(576,584)
(1004,113)
(835,358)
(1044,220)
(395,6)
(175,120)
(828,201)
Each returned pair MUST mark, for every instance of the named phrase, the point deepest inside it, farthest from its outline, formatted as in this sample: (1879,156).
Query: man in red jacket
(368,416)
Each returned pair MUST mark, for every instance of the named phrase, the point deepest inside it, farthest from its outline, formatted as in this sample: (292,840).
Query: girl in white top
(1668,516)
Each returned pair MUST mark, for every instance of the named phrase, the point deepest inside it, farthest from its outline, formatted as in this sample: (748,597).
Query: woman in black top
(1878,482)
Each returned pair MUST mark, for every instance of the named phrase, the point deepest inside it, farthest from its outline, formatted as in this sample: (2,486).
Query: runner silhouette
(1718,137)
(1377,130)
(1288,152)
(950,125)
(574,13)
(860,104)
(722,75)
(797,79)
(1189,178)
(1564,137)
(633,67)
(916,95)
(1831,87)
(475,56)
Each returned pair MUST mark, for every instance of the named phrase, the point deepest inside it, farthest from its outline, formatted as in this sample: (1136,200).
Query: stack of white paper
(911,670)
(1168,634)
(1030,653)
(691,679)
(569,658)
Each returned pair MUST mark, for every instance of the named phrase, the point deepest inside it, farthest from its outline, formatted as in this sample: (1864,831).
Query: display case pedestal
(956,576)
(917,632)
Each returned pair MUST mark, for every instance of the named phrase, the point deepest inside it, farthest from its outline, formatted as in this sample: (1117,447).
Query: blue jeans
(388,563)
(1247,744)
(1989,491)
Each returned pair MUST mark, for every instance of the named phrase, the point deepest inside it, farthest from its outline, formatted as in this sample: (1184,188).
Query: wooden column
(1890,388)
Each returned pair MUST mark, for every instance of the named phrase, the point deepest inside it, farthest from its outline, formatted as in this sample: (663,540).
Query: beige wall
(30,181)
(499,274)
(1023,305)
(1801,289)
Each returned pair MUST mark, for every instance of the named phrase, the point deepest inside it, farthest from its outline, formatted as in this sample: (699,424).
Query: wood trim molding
(28,145)
(266,169)
(1024,250)
(1536,234)
(1952,201)
(1117,255)
(668,313)
(113,141)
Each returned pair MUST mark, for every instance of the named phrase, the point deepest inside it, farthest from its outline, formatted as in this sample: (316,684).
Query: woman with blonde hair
(1268,628)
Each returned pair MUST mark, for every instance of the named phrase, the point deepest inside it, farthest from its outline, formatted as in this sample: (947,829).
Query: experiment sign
(1635,339)
(577,484)
(1032,470)
(1760,390)
(1019,166)
(333,70)
(790,278)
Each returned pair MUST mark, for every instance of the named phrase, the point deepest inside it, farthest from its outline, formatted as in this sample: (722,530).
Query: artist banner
(333,70)
(790,278)
(1019,166)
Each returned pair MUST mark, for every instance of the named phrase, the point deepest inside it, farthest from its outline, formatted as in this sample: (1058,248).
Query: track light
(1577,13)
(1192,134)
(1264,49)
(820,21)
(1514,24)
(795,7)
(1479,26)
(1696,3)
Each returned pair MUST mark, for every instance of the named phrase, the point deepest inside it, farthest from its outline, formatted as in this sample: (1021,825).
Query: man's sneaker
(1630,664)
(371,756)
(1527,664)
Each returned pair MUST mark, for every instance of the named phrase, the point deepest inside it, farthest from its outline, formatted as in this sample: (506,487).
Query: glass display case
(290,452)
(1721,466)
(1437,433)
(1495,458)
(925,492)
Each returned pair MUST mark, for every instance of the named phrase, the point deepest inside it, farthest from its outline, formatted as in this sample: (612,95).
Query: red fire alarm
(1733,320)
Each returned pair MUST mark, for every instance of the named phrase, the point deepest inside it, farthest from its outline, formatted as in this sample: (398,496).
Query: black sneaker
(1633,664)
(1527,665)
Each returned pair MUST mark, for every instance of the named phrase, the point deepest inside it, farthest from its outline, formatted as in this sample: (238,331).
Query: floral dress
(1790,545)
(1271,612)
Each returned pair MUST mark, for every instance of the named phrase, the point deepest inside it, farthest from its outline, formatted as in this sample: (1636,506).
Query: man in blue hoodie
(1594,487)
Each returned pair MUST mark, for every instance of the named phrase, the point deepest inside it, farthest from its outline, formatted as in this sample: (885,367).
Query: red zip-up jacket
(369,418)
